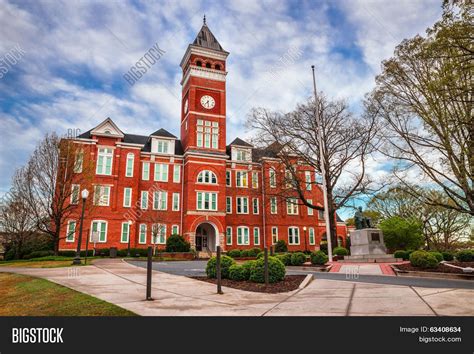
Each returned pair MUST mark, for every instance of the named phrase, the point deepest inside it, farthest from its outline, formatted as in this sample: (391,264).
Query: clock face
(186,106)
(207,102)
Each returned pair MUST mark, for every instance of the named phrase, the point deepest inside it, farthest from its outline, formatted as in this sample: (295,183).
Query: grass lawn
(22,295)
(44,262)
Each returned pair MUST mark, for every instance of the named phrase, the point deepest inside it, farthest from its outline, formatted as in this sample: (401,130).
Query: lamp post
(129,228)
(305,242)
(77,259)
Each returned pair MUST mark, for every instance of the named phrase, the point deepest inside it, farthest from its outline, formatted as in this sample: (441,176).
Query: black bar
(218,270)
(87,249)
(265,257)
(149,266)
(272,251)
(77,259)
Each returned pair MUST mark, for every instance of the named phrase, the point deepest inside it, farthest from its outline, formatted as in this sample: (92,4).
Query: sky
(65,61)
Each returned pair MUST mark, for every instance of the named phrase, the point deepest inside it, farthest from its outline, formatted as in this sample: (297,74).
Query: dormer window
(162,146)
(207,176)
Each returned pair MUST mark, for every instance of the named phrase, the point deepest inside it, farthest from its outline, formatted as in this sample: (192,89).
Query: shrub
(236,272)
(276,270)
(285,258)
(319,257)
(122,253)
(261,255)
(281,246)
(247,268)
(177,243)
(438,255)
(298,258)
(447,256)
(402,233)
(104,252)
(234,253)
(400,254)
(39,254)
(254,252)
(66,253)
(340,251)
(324,247)
(465,256)
(226,262)
(244,253)
(423,259)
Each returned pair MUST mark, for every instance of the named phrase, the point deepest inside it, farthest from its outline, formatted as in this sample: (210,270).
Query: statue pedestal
(367,245)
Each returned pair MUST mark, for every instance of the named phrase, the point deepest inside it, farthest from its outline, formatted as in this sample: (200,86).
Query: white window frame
(273,203)
(310,210)
(228,235)
(99,222)
(125,204)
(292,206)
(307,178)
(107,154)
(162,234)
(254,179)
(75,195)
(142,232)
(274,234)
(146,171)
(239,179)
(176,173)
(162,146)
(321,215)
(144,200)
(244,238)
(129,164)
(174,228)
(78,161)
(228,205)
(272,177)
(161,172)
(206,177)
(228,178)
(175,202)
(244,207)
(122,240)
(256,236)
(203,201)
(311,235)
(68,231)
(100,195)
(255,203)
(160,200)
(291,239)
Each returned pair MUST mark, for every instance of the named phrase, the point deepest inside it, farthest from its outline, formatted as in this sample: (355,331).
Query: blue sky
(76,52)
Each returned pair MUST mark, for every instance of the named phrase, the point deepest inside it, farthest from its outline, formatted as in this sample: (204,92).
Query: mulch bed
(291,282)
(441,268)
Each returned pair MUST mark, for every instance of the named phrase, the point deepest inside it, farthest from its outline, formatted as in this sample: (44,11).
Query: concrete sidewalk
(123,284)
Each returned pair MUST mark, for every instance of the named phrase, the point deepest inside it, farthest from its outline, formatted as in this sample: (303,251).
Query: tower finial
(204,19)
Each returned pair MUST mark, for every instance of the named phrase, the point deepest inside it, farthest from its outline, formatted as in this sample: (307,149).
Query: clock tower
(203,137)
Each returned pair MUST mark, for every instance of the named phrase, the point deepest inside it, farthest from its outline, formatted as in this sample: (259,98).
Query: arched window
(198,63)
(208,65)
(207,176)
(217,67)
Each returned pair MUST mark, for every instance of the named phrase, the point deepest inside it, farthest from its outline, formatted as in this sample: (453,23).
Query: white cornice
(204,73)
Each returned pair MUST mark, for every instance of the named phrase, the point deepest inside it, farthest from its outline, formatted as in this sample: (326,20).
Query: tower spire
(204,20)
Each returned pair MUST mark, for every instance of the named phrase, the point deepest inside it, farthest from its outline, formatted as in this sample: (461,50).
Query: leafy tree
(424,97)
(401,233)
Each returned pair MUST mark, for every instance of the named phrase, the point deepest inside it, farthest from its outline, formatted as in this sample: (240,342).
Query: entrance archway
(206,237)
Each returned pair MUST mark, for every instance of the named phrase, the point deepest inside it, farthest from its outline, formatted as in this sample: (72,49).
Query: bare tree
(347,143)
(424,95)
(51,175)
(16,220)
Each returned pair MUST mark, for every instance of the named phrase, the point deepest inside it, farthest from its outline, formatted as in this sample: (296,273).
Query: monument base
(367,246)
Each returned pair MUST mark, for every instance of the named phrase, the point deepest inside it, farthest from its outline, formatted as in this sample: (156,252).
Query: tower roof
(206,39)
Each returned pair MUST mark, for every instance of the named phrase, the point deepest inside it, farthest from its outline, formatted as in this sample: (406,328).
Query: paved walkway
(124,285)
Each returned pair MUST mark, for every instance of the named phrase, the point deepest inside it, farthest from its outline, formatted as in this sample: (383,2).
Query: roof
(206,39)
(164,133)
(240,142)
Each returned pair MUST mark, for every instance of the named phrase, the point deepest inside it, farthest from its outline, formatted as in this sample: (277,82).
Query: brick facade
(197,196)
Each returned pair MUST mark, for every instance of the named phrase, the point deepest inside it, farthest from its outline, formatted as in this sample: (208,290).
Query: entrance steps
(205,254)
(373,258)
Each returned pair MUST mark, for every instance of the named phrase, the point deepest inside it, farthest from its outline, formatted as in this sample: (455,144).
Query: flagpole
(323,169)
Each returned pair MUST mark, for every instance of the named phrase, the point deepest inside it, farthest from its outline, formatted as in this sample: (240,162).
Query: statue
(361,221)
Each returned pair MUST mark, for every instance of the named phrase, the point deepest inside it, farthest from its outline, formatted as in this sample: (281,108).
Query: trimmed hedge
(465,256)
(244,253)
(236,272)
(39,254)
(285,258)
(276,270)
(298,258)
(423,259)
(234,253)
(247,268)
(447,256)
(177,243)
(281,247)
(226,263)
(438,255)
(254,252)
(319,257)
(340,251)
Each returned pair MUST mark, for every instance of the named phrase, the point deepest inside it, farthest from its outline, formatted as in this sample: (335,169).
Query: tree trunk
(332,226)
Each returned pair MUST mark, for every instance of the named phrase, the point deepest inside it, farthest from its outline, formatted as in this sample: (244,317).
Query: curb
(309,278)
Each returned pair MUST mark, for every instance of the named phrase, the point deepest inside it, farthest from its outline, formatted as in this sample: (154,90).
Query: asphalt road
(197,268)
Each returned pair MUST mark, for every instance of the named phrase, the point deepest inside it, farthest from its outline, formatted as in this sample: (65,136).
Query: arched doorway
(206,237)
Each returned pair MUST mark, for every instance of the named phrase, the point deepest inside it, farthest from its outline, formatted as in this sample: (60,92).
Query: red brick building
(146,188)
